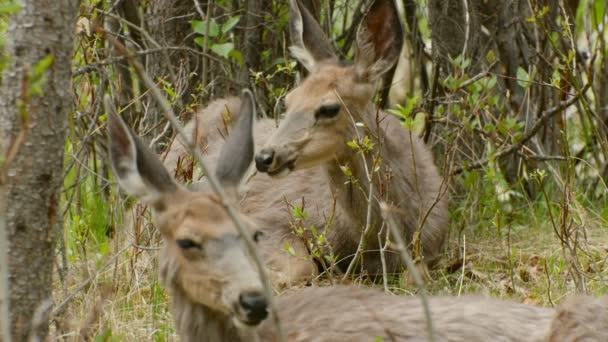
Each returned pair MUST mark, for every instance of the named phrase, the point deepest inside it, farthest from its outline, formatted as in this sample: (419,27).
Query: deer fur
(207,270)
(580,319)
(311,136)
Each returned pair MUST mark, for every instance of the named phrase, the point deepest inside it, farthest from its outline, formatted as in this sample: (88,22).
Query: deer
(216,291)
(333,106)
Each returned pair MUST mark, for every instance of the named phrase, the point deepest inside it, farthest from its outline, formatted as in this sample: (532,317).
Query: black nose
(263,159)
(255,306)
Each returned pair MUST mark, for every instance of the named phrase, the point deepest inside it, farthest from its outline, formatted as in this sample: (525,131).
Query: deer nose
(263,160)
(255,306)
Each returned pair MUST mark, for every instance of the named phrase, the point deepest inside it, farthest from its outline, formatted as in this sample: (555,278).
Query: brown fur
(407,178)
(580,319)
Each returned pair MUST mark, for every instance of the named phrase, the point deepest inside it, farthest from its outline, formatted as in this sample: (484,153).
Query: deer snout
(255,306)
(264,158)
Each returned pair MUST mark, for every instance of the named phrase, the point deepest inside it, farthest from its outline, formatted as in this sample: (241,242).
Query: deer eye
(187,244)
(327,111)
(257,236)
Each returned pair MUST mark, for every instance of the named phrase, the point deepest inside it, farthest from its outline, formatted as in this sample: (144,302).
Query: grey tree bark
(32,135)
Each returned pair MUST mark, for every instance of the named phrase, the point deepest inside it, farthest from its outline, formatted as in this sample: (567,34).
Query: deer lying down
(217,294)
(413,188)
(333,106)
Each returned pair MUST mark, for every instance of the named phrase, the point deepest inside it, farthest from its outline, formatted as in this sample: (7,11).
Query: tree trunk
(33,120)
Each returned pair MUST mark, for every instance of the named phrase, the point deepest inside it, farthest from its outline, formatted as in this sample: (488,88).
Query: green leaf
(103,336)
(200,41)
(289,249)
(599,7)
(523,79)
(352,144)
(200,27)
(230,24)
(222,49)
(9,8)
(236,55)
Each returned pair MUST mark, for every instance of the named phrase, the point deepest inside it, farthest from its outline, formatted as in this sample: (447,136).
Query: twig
(187,141)
(370,195)
(206,43)
(161,135)
(544,118)
(548,283)
(111,60)
(478,76)
(383,248)
(464,262)
(407,259)
(465,9)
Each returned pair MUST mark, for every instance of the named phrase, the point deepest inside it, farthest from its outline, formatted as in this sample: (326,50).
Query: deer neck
(352,191)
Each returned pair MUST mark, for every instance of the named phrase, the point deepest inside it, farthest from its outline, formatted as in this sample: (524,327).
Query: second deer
(365,154)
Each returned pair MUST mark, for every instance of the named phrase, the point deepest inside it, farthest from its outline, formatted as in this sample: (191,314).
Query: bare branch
(544,118)
(407,259)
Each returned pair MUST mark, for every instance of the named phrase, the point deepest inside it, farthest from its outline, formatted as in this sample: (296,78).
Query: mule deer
(217,294)
(326,111)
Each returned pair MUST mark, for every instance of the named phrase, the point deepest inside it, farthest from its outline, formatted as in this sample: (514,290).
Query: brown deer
(217,293)
(333,106)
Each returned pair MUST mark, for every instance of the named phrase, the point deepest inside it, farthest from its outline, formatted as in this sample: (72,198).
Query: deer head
(203,255)
(317,121)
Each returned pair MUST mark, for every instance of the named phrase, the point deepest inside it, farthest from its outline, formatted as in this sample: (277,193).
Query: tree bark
(32,134)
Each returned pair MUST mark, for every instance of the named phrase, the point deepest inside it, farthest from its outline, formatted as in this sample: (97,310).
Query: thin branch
(111,60)
(407,259)
(465,8)
(478,76)
(215,185)
(544,118)
(370,194)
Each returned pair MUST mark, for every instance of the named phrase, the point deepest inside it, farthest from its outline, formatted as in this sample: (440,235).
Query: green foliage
(314,240)
(106,336)
(217,37)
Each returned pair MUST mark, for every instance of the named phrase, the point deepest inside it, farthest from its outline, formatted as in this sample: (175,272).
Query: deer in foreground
(217,294)
(333,106)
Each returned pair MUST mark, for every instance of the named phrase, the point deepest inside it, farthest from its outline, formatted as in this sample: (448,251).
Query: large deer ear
(379,41)
(138,170)
(237,153)
(309,44)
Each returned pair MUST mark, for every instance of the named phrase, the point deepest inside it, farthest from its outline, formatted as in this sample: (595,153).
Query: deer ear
(138,170)
(309,45)
(379,41)
(237,153)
